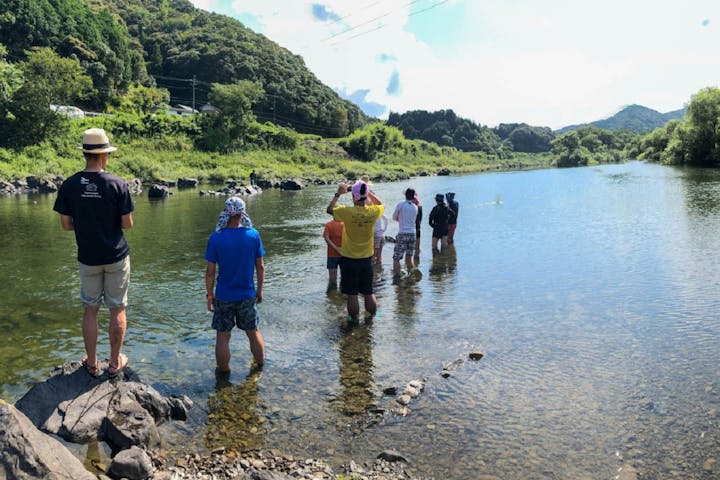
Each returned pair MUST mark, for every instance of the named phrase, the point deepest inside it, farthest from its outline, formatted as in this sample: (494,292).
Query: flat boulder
(78,407)
(28,453)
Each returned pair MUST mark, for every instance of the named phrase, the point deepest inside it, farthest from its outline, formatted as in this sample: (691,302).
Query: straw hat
(366,179)
(95,140)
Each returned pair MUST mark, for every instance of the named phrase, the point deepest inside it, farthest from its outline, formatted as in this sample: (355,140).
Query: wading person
(357,245)
(418,222)
(97,206)
(406,213)
(379,239)
(235,253)
(452,220)
(333,238)
(439,216)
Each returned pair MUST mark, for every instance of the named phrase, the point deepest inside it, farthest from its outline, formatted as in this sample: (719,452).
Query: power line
(385,25)
(368,21)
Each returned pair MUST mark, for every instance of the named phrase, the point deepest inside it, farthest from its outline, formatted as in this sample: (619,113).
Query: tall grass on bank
(169,153)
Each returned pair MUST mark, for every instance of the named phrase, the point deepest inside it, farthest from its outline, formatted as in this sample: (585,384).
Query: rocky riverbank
(122,413)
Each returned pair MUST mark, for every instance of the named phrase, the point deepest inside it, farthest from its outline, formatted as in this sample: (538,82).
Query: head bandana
(233,206)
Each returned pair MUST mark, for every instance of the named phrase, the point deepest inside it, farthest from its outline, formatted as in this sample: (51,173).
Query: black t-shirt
(439,216)
(96,201)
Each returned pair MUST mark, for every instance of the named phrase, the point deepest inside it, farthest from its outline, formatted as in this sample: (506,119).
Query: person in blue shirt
(235,253)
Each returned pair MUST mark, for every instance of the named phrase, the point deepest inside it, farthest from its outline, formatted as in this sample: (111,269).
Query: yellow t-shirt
(357,236)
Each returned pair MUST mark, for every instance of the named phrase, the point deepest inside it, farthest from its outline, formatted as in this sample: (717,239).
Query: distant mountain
(634,117)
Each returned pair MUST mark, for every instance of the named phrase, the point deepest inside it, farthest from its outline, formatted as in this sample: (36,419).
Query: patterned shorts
(242,313)
(404,244)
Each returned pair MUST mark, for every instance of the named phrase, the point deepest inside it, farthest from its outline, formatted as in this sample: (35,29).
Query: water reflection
(443,263)
(702,190)
(356,370)
(234,417)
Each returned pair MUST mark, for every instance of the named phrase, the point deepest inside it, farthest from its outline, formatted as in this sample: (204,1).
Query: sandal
(93,370)
(115,371)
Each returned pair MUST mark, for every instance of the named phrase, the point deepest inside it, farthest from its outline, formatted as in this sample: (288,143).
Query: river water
(593,293)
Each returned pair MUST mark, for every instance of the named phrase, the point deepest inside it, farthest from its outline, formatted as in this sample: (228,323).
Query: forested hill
(445,128)
(635,118)
(178,47)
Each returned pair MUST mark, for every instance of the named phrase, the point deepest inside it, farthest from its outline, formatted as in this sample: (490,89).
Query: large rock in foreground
(78,407)
(27,453)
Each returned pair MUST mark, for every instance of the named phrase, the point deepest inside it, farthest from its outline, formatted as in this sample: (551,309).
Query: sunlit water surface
(593,293)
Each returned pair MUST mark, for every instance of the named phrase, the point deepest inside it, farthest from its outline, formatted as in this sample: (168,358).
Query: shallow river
(593,293)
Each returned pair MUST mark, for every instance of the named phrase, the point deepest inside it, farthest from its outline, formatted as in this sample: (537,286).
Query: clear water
(593,293)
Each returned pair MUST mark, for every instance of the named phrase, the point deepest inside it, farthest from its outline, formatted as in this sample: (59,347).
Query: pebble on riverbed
(273,465)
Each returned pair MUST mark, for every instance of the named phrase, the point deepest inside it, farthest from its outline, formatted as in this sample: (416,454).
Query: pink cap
(359,190)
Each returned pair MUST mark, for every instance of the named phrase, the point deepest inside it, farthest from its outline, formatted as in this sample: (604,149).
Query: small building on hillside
(67,111)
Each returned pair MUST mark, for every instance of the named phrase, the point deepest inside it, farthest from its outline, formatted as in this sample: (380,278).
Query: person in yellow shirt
(356,270)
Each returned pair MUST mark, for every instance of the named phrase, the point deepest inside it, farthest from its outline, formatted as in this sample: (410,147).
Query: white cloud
(545,63)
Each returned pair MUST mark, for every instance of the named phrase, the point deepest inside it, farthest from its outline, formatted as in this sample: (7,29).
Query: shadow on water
(355,363)
(236,417)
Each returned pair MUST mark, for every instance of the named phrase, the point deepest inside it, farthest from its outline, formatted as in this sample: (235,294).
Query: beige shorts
(106,284)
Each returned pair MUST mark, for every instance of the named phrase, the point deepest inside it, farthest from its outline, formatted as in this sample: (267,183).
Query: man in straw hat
(96,205)
(235,252)
(356,270)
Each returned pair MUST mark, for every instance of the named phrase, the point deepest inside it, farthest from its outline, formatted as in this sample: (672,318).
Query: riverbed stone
(133,464)
(291,184)
(28,453)
(187,182)
(135,186)
(7,188)
(159,191)
(476,355)
(392,456)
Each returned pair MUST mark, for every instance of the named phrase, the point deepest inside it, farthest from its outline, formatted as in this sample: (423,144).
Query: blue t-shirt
(235,250)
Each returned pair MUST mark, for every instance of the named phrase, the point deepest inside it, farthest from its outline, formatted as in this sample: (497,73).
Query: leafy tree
(590,145)
(48,79)
(224,130)
(11,79)
(373,140)
(143,99)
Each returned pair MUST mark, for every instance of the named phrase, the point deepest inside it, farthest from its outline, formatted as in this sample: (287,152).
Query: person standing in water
(438,219)
(235,253)
(357,245)
(454,211)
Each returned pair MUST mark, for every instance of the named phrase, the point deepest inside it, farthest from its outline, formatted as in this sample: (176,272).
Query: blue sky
(542,62)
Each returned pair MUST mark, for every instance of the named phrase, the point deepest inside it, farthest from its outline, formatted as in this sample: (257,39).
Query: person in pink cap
(356,270)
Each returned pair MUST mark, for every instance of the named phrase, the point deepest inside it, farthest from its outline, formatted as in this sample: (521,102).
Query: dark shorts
(333,262)
(356,276)
(439,232)
(242,313)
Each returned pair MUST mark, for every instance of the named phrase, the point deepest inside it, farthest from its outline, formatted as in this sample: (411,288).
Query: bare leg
(396,267)
(90,333)
(434,244)
(444,241)
(409,263)
(353,306)
(257,346)
(222,351)
(370,304)
(118,324)
(332,276)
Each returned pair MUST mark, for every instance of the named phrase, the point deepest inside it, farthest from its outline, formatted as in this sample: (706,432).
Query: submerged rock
(133,464)
(392,456)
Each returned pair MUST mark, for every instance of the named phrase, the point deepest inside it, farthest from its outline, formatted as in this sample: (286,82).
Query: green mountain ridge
(635,118)
(172,44)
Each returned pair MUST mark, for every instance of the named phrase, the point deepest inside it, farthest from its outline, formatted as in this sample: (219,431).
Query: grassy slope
(314,161)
